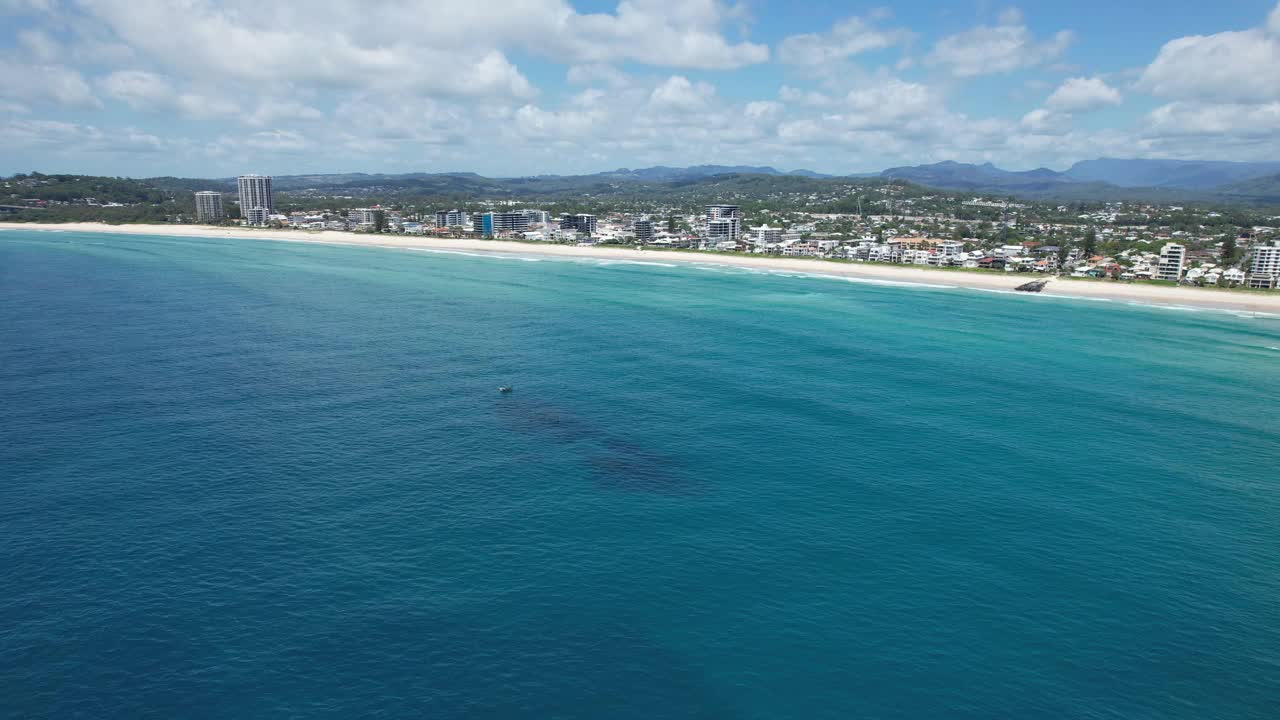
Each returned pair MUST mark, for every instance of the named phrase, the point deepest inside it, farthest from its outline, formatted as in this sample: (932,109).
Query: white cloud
(1207,120)
(1225,92)
(22,7)
(392,119)
(1082,95)
(889,101)
(535,123)
(150,92)
(273,141)
(1240,66)
(846,38)
(593,74)
(271,111)
(797,96)
(678,95)
(39,46)
(296,42)
(140,90)
(252,47)
(46,85)
(1045,122)
(655,32)
(69,138)
(988,49)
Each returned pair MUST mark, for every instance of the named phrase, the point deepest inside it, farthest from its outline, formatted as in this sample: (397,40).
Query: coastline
(1144,294)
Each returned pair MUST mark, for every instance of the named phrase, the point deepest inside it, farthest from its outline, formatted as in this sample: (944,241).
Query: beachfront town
(1248,258)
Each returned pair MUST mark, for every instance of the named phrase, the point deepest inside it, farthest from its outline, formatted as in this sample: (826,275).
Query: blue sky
(516,87)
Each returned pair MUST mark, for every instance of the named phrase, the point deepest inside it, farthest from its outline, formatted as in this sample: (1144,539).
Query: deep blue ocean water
(250,479)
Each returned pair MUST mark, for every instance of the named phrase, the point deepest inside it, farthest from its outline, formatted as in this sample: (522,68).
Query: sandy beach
(1123,292)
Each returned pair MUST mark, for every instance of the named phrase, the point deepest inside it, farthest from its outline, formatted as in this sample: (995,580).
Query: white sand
(1124,292)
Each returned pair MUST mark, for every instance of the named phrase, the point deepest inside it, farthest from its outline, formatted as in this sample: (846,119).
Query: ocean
(254,479)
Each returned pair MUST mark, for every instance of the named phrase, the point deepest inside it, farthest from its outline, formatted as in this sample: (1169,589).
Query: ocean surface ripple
(246,479)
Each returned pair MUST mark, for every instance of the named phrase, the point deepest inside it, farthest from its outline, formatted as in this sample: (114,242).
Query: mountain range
(1109,178)
(1106,179)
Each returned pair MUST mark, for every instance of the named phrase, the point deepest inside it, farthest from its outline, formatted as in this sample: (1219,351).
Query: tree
(671,224)
(1229,249)
(379,220)
(1090,242)
(1062,254)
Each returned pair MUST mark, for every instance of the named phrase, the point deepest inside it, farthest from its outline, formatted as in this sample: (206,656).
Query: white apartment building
(255,193)
(537,217)
(1264,271)
(643,228)
(452,218)
(494,223)
(715,212)
(256,216)
(718,214)
(726,229)
(950,253)
(765,235)
(1172,257)
(209,206)
(362,216)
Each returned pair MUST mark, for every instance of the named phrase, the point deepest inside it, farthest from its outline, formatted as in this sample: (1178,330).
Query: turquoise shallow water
(253,479)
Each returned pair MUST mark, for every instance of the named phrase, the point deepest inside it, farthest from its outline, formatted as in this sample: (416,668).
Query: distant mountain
(1178,174)
(977,178)
(1265,189)
(1107,180)
(1165,181)
(809,174)
(662,173)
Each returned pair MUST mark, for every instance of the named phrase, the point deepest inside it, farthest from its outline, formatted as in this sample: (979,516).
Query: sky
(212,88)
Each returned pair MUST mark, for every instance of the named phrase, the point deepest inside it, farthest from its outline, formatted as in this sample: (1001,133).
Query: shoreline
(1156,295)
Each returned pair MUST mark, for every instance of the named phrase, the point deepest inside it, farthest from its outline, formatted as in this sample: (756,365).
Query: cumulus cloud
(1224,87)
(1082,95)
(535,123)
(678,95)
(404,120)
(347,45)
(70,138)
(56,85)
(319,84)
(1236,66)
(150,92)
(39,45)
(886,102)
(798,96)
(1004,47)
(1191,119)
(656,32)
(200,40)
(1045,122)
(275,141)
(846,38)
(597,74)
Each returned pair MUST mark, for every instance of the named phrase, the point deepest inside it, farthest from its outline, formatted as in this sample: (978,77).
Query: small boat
(504,389)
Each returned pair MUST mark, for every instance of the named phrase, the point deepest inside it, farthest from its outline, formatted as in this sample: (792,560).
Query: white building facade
(724,219)
(1264,271)
(255,194)
(1172,257)
(209,206)
(452,218)
(643,228)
